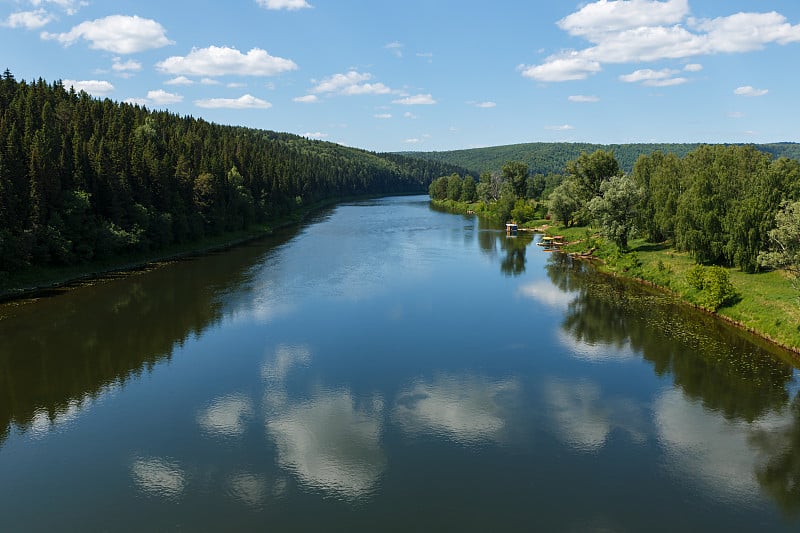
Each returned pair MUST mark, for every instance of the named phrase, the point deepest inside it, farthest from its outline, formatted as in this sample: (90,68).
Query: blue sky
(431,74)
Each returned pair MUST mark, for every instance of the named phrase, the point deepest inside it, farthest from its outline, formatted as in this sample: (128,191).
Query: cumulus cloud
(243,102)
(119,34)
(419,99)
(289,5)
(69,6)
(485,105)
(654,78)
(747,90)
(307,99)
(125,66)
(633,31)
(179,80)
(383,115)
(222,60)
(562,127)
(93,87)
(29,20)
(315,135)
(583,98)
(351,83)
(162,97)
(693,67)
(409,114)
(413,140)
(562,68)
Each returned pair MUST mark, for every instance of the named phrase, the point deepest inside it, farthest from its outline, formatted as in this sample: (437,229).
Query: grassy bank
(765,304)
(38,280)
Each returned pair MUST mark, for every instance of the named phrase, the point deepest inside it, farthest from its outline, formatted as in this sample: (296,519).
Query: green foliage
(713,285)
(615,210)
(784,242)
(454,187)
(523,211)
(590,171)
(516,173)
(469,192)
(82,179)
(563,202)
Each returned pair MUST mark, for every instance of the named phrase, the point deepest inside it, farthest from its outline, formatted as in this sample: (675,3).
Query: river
(388,366)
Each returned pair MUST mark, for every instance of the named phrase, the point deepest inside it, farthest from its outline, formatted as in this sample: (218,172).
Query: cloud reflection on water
(331,444)
(159,477)
(468,410)
(226,416)
(706,447)
(584,419)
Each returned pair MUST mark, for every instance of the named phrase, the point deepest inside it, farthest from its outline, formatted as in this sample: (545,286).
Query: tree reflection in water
(730,372)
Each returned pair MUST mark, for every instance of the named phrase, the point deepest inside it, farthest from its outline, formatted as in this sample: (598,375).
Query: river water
(387,366)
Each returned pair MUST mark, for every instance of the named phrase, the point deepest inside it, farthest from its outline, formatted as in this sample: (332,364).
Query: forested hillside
(551,158)
(84,179)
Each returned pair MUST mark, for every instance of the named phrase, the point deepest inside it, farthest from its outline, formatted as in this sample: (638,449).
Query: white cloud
(180,80)
(562,68)
(290,5)
(221,61)
(420,99)
(307,99)
(162,97)
(486,105)
(582,98)
(93,87)
(210,81)
(315,135)
(409,114)
(243,102)
(413,141)
(117,33)
(654,78)
(137,101)
(665,83)
(736,114)
(235,85)
(120,66)
(633,31)
(351,83)
(693,67)
(396,48)
(30,20)
(383,115)
(562,127)
(69,6)
(596,19)
(747,90)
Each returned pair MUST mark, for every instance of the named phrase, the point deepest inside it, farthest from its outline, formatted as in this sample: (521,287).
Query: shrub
(714,286)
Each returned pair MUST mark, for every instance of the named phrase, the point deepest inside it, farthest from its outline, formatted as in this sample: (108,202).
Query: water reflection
(226,416)
(584,418)
(724,368)
(512,249)
(159,477)
(469,410)
(249,489)
(331,444)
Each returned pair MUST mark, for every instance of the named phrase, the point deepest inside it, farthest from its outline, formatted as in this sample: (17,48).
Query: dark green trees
(82,179)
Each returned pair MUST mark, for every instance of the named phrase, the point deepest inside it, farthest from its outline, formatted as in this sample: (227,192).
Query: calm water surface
(389,367)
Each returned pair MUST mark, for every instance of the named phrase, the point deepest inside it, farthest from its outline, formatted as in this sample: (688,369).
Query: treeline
(718,203)
(84,179)
(551,158)
(511,193)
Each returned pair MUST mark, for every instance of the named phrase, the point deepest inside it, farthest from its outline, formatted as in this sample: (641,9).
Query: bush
(714,286)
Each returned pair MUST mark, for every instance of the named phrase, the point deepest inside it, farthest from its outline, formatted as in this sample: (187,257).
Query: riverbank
(36,282)
(765,304)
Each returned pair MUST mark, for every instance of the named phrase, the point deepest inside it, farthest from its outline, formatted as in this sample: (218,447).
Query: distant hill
(547,158)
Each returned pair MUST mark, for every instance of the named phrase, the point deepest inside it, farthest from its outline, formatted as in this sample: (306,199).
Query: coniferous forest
(84,179)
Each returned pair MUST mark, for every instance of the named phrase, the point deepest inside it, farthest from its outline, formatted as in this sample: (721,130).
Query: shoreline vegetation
(765,304)
(45,281)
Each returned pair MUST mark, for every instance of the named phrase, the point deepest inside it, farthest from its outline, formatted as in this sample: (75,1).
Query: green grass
(766,304)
